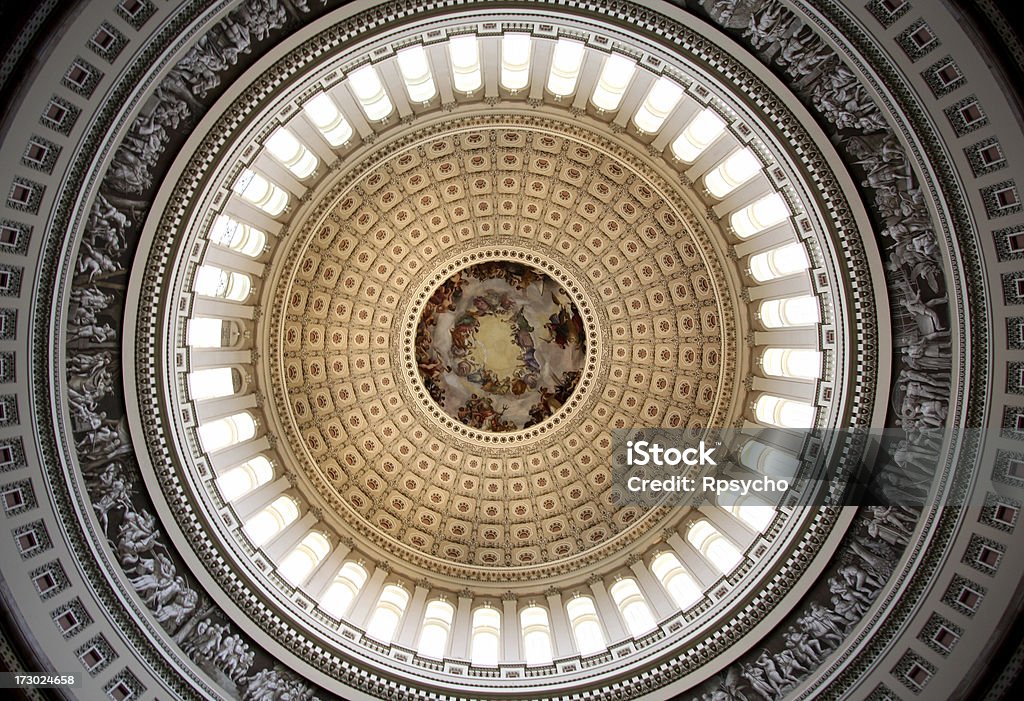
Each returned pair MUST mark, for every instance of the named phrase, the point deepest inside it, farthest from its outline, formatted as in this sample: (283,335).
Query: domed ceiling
(359,306)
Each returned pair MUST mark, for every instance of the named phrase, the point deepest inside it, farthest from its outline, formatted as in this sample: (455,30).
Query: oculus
(500,346)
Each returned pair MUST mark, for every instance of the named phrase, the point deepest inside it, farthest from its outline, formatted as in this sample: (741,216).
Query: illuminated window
(205,332)
(240,480)
(515,61)
(245,239)
(682,587)
(760,215)
(415,70)
(801,363)
(301,561)
(536,629)
(387,613)
(586,627)
(328,119)
(700,133)
(565,67)
(613,81)
(784,413)
(370,93)
(485,641)
(271,520)
(211,383)
(212,281)
(749,508)
(347,583)
(257,190)
(286,148)
(633,607)
(768,460)
(779,262)
(437,626)
(465,57)
(716,549)
(220,433)
(737,169)
(790,311)
(661,100)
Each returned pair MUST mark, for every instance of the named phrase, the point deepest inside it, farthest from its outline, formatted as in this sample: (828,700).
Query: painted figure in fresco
(565,327)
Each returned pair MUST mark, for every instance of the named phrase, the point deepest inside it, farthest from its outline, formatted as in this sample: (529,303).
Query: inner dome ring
(589,366)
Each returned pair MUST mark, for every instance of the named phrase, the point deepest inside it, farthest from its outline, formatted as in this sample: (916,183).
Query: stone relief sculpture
(95,401)
(916,286)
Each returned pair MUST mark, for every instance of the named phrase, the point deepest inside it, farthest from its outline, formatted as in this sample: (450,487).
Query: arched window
(701,132)
(370,93)
(768,460)
(683,589)
(436,628)
(759,215)
(533,621)
(633,607)
(662,98)
(291,153)
(749,508)
(306,556)
(800,363)
(204,332)
(790,311)
(779,262)
(565,67)
(211,383)
(328,119)
(273,519)
(220,433)
(515,61)
(737,169)
(784,413)
(715,547)
(613,81)
(212,281)
(415,70)
(387,613)
(257,190)
(347,583)
(586,627)
(464,53)
(485,640)
(233,234)
(240,480)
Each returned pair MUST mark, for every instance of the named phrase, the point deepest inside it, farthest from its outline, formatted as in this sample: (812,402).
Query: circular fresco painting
(500,346)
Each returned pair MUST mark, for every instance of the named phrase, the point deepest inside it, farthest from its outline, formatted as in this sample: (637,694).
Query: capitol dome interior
(326,329)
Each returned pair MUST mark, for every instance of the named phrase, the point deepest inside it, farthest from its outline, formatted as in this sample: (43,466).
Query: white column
(261,496)
(210,409)
(230,259)
(362,605)
(218,357)
(413,617)
(490,64)
(608,612)
(560,633)
(285,541)
(324,574)
(652,589)
(589,73)
(693,561)
(728,525)
(510,631)
(235,455)
(540,65)
(462,629)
